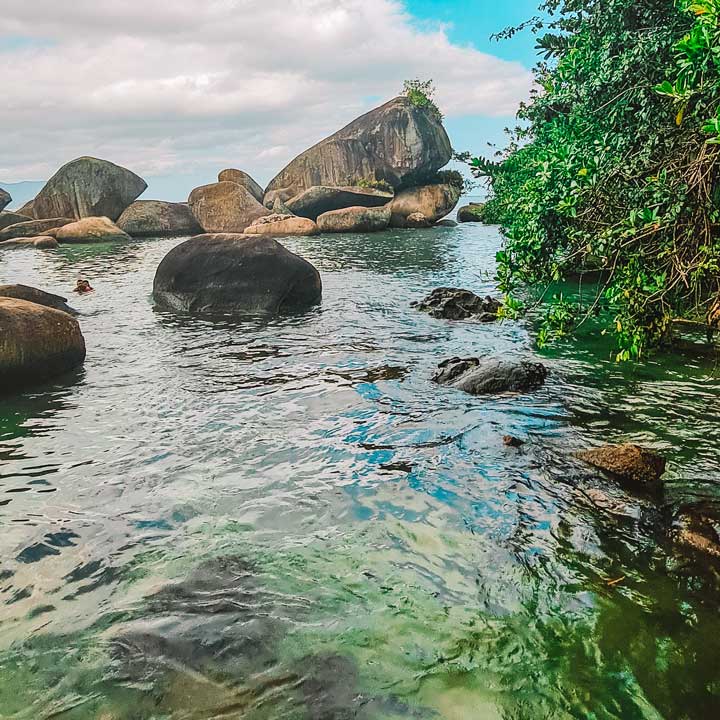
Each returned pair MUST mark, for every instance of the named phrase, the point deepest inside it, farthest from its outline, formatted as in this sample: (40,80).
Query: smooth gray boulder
(36,343)
(398,142)
(485,376)
(229,273)
(88,187)
(155,218)
(355,219)
(225,207)
(40,297)
(432,201)
(5,199)
(8,218)
(242,178)
(33,228)
(316,201)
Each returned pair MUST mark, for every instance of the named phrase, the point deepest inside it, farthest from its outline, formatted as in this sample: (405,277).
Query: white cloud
(185,86)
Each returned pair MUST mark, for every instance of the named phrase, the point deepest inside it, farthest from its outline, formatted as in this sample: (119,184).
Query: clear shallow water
(288,520)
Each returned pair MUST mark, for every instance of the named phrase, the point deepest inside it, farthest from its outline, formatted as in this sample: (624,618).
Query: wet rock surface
(458,304)
(34,295)
(485,376)
(696,528)
(638,467)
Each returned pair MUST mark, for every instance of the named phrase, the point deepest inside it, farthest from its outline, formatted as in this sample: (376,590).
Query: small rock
(40,297)
(458,304)
(91,230)
(355,219)
(43,242)
(471,213)
(483,376)
(511,441)
(433,202)
(282,226)
(630,463)
(447,222)
(414,220)
(697,527)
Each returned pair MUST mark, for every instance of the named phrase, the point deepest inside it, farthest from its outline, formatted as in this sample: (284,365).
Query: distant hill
(22,192)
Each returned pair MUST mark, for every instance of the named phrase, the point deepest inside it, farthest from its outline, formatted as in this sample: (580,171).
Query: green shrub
(421,93)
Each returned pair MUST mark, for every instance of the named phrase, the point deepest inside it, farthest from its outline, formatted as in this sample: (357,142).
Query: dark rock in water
(355,219)
(12,218)
(88,187)
(40,297)
(37,343)
(484,376)
(471,213)
(155,218)
(458,304)
(225,207)
(432,201)
(696,527)
(229,273)
(400,466)
(5,199)
(42,242)
(639,467)
(510,441)
(282,226)
(242,178)
(447,222)
(317,200)
(91,230)
(399,143)
(33,228)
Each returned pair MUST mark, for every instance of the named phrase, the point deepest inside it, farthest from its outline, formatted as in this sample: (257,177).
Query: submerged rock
(432,201)
(484,376)
(355,219)
(33,228)
(5,199)
(696,527)
(91,230)
(398,142)
(447,222)
(316,201)
(638,467)
(471,213)
(40,297)
(225,207)
(242,178)
(42,242)
(36,343)
(282,225)
(8,218)
(155,218)
(88,187)
(458,304)
(231,273)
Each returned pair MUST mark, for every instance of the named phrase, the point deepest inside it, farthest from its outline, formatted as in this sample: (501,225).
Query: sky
(177,90)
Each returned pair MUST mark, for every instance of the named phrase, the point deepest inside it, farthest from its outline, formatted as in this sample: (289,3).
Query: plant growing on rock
(421,94)
(616,163)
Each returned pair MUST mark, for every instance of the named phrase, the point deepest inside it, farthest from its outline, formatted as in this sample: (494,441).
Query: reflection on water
(287,519)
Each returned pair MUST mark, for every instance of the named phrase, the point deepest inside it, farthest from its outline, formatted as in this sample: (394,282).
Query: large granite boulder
(5,199)
(88,187)
(316,201)
(458,304)
(484,376)
(355,219)
(8,218)
(282,225)
(91,230)
(40,297)
(225,207)
(432,201)
(28,210)
(36,343)
(242,178)
(155,218)
(632,465)
(231,273)
(398,143)
(33,228)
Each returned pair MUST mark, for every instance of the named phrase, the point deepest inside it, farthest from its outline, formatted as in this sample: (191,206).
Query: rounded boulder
(91,230)
(282,226)
(155,218)
(225,207)
(355,219)
(229,273)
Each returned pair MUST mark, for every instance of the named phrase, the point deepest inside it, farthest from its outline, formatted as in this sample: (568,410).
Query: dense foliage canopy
(615,167)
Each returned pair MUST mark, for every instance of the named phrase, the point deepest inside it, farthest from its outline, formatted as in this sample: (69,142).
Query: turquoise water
(287,519)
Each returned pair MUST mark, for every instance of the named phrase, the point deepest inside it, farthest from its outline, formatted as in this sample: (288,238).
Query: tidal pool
(288,520)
